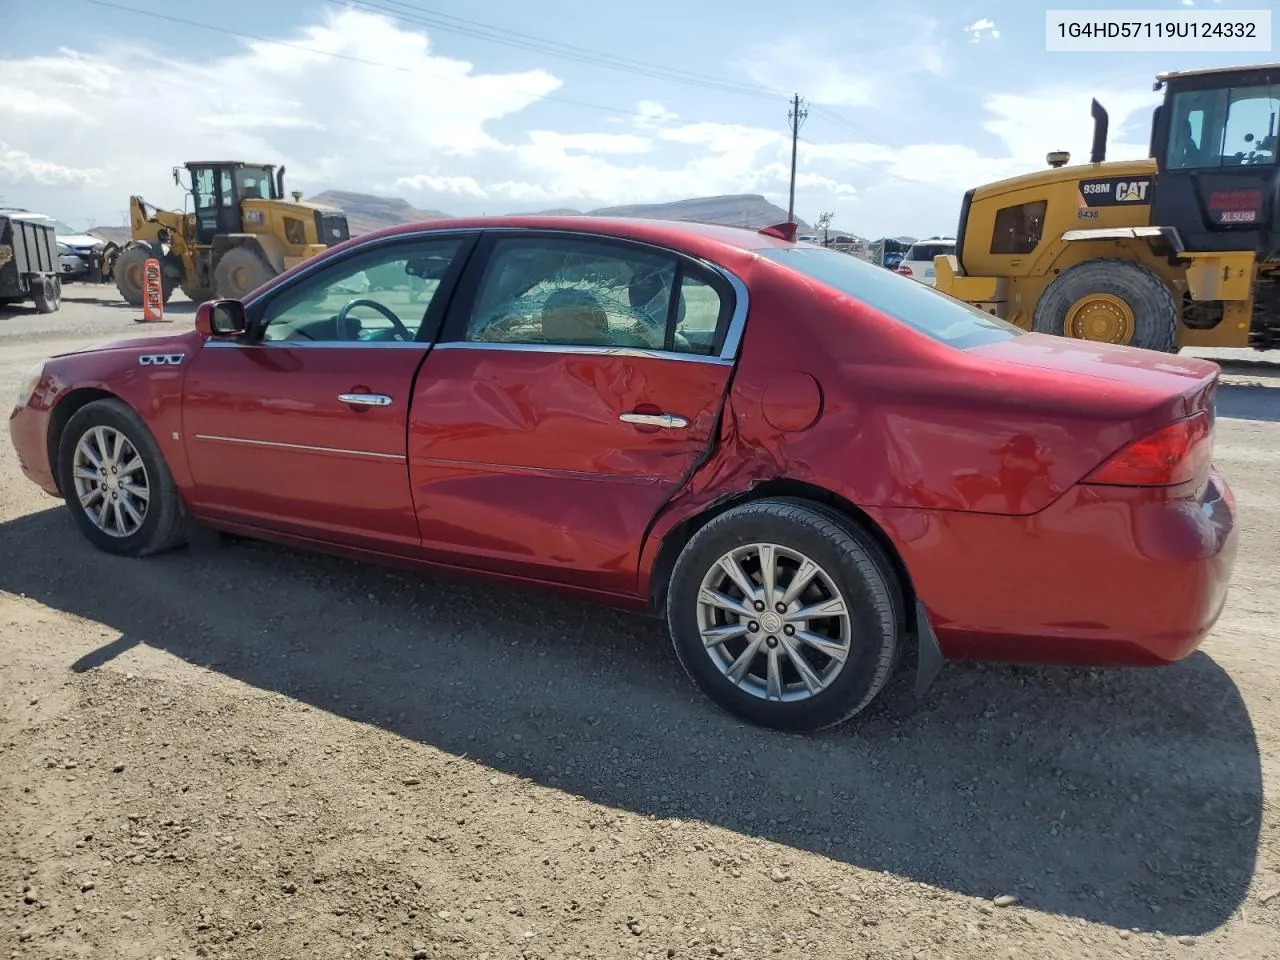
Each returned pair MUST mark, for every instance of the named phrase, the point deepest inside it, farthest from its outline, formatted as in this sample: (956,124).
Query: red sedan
(809,466)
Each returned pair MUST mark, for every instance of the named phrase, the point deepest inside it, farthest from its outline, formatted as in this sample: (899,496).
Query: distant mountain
(366,213)
(737,210)
(117,235)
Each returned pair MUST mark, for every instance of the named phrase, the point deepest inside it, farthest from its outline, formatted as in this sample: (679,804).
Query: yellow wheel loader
(1181,249)
(241,233)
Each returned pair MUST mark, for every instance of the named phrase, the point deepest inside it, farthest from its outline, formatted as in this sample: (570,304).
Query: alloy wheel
(774,622)
(111,482)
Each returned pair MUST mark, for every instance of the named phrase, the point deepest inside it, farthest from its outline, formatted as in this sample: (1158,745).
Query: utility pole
(796,116)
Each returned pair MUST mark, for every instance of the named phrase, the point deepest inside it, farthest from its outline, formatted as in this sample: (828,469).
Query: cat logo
(1134,191)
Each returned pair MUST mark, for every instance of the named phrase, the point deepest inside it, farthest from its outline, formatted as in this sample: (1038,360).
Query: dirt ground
(240,751)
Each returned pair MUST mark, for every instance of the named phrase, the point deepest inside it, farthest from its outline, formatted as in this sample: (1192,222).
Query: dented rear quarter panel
(905,424)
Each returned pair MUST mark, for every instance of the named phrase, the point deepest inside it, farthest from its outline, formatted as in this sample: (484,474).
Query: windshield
(253,183)
(913,304)
(1235,126)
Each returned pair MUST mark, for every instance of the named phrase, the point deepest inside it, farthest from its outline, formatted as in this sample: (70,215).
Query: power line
(413,13)
(500,35)
(183,21)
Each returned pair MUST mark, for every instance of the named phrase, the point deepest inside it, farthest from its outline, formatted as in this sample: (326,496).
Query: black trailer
(29,264)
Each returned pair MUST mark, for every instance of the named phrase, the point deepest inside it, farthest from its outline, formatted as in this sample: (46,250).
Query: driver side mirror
(221,319)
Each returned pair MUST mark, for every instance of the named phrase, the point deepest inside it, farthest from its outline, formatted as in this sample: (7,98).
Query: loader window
(1223,128)
(1018,229)
(206,194)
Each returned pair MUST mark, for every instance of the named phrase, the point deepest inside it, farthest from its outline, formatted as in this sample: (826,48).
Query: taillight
(904,270)
(1174,454)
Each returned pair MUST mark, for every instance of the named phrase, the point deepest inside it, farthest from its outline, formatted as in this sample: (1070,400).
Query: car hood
(80,240)
(176,341)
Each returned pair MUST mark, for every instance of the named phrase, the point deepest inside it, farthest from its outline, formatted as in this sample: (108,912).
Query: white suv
(917,263)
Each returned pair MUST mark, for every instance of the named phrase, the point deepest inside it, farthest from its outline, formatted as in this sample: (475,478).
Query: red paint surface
(515,463)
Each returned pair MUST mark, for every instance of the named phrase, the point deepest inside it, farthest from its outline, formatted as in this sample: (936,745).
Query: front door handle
(366,399)
(668,420)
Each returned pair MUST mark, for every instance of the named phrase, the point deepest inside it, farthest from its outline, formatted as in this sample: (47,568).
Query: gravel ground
(243,751)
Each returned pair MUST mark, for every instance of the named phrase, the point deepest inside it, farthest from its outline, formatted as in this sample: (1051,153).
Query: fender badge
(161,359)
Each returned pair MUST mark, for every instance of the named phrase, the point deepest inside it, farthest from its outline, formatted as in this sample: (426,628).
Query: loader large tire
(1110,301)
(128,272)
(196,293)
(239,272)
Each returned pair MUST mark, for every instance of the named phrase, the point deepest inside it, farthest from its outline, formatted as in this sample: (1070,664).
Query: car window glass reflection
(375,298)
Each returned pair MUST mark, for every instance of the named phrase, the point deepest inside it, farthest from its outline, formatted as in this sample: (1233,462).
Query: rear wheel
(785,616)
(239,272)
(116,483)
(47,294)
(1110,301)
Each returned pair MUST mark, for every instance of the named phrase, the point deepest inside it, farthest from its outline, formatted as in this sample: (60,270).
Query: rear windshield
(929,251)
(914,304)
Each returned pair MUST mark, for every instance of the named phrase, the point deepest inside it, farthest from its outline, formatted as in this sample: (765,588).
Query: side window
(1249,135)
(1018,229)
(376,296)
(573,292)
(701,314)
(228,189)
(206,197)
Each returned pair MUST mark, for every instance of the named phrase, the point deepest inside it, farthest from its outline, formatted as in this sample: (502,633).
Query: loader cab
(1214,139)
(220,189)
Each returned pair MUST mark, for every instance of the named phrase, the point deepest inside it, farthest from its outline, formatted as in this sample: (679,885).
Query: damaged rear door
(578,383)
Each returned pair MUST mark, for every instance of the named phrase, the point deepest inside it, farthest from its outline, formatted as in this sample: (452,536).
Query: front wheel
(116,483)
(785,616)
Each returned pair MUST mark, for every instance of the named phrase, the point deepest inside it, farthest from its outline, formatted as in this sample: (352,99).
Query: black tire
(164,519)
(46,292)
(239,272)
(197,294)
(110,253)
(128,273)
(859,571)
(1155,314)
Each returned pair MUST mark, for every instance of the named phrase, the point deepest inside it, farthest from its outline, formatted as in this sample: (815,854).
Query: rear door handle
(366,399)
(668,420)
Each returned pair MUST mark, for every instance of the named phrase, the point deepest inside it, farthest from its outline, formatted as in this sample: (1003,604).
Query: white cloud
(18,165)
(889,51)
(331,121)
(983,29)
(458,186)
(448,136)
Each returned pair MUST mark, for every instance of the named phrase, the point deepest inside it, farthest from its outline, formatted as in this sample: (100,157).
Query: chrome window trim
(733,334)
(586,350)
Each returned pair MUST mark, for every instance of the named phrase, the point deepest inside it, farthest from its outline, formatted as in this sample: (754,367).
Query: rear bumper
(1106,576)
(29,431)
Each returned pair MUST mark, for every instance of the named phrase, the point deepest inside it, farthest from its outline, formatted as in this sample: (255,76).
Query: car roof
(663,232)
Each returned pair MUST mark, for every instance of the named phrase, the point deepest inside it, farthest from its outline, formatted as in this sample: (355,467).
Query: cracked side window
(571,292)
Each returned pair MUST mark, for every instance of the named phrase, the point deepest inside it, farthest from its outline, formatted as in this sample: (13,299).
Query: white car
(75,250)
(917,263)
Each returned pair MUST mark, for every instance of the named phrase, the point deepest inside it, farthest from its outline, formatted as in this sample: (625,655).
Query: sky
(524,105)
